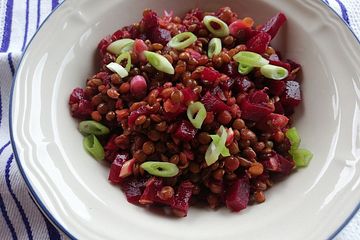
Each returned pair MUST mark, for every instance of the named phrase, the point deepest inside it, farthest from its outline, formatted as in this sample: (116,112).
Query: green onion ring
(159,62)
(214,47)
(274,72)
(160,169)
(182,40)
(223,31)
(93,147)
(198,110)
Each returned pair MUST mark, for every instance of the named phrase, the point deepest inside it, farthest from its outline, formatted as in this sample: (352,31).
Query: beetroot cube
(292,95)
(259,43)
(159,35)
(273,25)
(256,106)
(189,94)
(133,188)
(185,131)
(153,185)
(182,198)
(210,74)
(237,194)
(242,84)
(272,122)
(213,104)
(276,87)
(76,95)
(116,166)
(277,163)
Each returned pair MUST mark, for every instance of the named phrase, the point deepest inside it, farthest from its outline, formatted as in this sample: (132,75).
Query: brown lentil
(140,120)
(148,148)
(259,196)
(110,116)
(256,169)
(96,116)
(231,163)
(102,108)
(224,117)
(166,193)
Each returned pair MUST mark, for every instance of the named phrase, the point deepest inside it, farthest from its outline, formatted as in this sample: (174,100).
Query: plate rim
(36,198)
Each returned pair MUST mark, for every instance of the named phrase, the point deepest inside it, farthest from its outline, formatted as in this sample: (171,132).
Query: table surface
(19,20)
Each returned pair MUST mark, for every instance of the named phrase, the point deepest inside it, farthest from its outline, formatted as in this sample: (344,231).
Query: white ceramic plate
(72,189)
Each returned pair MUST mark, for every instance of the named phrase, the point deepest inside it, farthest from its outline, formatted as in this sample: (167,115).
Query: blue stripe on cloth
(326,1)
(26,25)
(343,12)
(7,27)
(0,108)
(3,147)
(11,64)
(17,202)
(52,231)
(38,14)
(7,219)
(54,3)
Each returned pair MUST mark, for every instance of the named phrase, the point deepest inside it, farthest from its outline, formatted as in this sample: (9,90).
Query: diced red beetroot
(196,12)
(133,188)
(119,34)
(153,185)
(292,95)
(103,44)
(293,65)
(276,87)
(196,55)
(273,25)
(111,149)
(281,64)
(189,94)
(76,95)
(180,109)
(218,92)
(182,198)
(272,122)
(286,165)
(210,74)
(213,104)
(226,85)
(236,27)
(271,163)
(230,69)
(242,84)
(116,165)
(127,168)
(139,48)
(256,106)
(279,108)
(150,20)
(277,163)
(84,109)
(159,35)
(259,43)
(135,114)
(237,194)
(185,131)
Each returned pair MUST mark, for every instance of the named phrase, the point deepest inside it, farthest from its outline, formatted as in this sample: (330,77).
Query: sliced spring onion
(117,46)
(214,47)
(301,157)
(182,40)
(244,69)
(159,62)
(223,29)
(196,113)
(274,72)
(117,68)
(160,169)
(93,146)
(250,59)
(93,127)
(294,138)
(127,56)
(217,147)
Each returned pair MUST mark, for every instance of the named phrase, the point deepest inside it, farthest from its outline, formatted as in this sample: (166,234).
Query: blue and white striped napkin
(19,20)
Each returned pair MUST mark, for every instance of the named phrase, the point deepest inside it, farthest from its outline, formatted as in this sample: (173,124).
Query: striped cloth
(19,20)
